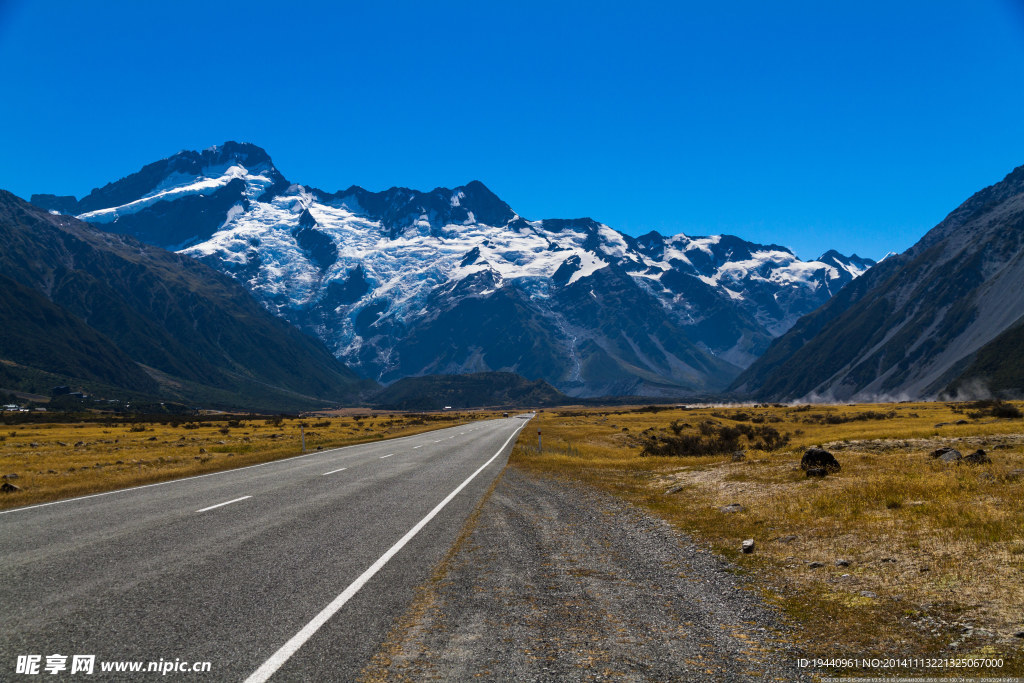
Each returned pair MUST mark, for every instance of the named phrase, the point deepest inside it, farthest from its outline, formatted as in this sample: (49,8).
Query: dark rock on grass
(947,454)
(731,507)
(747,546)
(978,457)
(818,458)
(787,539)
(8,487)
(816,565)
(739,456)
(10,476)
(842,563)
(818,472)
(675,489)
(1014,475)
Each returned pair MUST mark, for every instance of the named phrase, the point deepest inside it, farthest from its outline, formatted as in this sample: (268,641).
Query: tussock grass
(932,548)
(52,461)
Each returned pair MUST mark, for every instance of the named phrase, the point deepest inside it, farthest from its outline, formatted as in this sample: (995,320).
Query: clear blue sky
(816,124)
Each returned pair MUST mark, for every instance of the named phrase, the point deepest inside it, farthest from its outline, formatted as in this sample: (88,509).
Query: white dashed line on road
(276,660)
(218,505)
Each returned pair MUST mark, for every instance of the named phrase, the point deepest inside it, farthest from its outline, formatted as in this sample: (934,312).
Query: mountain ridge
(161,319)
(916,321)
(366,271)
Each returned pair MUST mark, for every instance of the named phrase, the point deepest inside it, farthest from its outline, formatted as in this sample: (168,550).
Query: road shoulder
(554,580)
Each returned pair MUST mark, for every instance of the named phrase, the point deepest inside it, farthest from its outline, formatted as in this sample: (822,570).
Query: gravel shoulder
(554,580)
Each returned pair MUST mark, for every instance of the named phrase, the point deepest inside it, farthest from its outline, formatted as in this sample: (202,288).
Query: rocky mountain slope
(404,283)
(942,318)
(111,312)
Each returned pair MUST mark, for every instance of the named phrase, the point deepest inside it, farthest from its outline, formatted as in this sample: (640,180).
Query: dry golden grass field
(51,461)
(896,555)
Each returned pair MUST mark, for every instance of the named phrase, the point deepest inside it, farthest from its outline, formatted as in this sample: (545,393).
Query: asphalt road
(292,570)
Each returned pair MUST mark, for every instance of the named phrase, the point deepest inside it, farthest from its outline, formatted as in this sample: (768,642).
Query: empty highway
(290,570)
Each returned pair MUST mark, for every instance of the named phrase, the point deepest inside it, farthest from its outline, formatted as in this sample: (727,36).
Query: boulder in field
(978,457)
(819,458)
(947,454)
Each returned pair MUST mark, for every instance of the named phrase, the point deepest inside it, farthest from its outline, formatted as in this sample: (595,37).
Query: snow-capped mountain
(401,283)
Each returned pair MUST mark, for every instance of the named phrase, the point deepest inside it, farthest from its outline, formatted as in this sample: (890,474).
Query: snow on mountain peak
(364,270)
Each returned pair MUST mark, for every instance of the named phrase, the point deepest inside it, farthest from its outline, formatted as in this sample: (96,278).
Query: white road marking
(420,446)
(386,456)
(276,660)
(219,505)
(333,471)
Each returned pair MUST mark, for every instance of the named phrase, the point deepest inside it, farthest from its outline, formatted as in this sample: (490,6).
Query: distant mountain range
(404,283)
(86,307)
(944,318)
(475,390)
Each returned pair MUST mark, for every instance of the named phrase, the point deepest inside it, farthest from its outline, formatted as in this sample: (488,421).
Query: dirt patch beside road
(557,581)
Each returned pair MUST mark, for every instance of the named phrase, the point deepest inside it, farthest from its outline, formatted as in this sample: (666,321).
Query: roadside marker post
(302,430)
(539,449)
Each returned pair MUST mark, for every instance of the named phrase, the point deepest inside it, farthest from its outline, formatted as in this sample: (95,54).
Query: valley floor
(558,581)
(907,561)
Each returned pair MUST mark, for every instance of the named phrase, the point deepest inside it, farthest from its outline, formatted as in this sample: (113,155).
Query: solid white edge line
(386,456)
(333,471)
(220,505)
(212,474)
(269,667)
